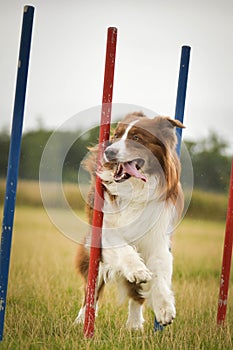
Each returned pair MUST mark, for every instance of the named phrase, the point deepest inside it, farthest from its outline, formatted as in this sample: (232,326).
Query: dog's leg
(82,265)
(81,315)
(135,315)
(162,297)
(127,262)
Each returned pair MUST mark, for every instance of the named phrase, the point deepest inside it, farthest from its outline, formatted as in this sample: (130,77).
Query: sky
(68,54)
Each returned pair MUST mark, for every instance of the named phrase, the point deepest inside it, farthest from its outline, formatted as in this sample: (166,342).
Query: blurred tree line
(211,164)
(32,147)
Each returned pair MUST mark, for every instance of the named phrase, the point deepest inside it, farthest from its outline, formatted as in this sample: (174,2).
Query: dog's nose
(110,153)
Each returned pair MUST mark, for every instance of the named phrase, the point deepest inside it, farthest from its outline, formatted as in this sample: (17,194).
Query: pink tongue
(131,169)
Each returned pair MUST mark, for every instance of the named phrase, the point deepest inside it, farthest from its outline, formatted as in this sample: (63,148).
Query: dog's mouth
(125,170)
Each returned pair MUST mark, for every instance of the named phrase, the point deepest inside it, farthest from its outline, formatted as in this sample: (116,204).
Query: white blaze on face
(120,145)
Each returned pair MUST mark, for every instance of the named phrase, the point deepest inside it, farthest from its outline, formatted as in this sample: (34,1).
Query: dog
(143,200)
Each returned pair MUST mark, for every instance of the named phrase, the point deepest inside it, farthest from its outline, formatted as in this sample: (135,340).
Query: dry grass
(28,194)
(45,294)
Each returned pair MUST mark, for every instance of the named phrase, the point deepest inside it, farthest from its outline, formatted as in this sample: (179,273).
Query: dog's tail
(82,261)
(82,266)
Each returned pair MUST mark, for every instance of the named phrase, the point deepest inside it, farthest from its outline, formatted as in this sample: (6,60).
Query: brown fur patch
(82,265)
(134,292)
(82,261)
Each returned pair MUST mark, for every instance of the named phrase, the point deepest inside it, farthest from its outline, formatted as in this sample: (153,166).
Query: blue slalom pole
(14,158)
(181,91)
(179,114)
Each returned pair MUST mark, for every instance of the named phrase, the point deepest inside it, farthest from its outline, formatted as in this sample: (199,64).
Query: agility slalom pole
(181,92)
(226,260)
(179,113)
(97,222)
(14,158)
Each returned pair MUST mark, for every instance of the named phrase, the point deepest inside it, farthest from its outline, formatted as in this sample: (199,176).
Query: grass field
(45,294)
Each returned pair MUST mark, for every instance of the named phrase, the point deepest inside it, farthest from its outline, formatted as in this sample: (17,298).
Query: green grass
(45,294)
(212,206)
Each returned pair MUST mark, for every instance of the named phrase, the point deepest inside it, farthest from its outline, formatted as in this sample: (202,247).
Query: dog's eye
(115,136)
(136,138)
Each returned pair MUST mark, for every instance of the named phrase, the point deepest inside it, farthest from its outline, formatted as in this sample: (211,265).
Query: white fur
(81,315)
(136,245)
(135,318)
(120,145)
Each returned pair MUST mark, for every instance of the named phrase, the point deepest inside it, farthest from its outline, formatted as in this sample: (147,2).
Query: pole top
(28,7)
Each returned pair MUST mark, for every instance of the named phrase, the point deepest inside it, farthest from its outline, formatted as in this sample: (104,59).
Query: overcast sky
(68,53)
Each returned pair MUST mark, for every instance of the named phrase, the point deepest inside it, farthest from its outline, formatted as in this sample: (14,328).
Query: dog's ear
(165,130)
(175,123)
(138,114)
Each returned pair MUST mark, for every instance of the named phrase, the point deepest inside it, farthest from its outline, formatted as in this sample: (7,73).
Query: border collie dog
(143,200)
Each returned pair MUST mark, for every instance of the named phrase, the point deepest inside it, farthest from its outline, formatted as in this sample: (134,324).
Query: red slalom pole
(226,261)
(97,222)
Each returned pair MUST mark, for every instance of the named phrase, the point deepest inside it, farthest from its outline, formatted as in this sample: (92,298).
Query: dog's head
(141,146)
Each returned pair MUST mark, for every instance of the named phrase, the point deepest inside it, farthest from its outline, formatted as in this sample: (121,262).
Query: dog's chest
(129,216)
(126,201)
(122,211)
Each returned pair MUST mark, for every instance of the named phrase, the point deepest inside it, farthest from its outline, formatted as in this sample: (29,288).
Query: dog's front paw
(134,325)
(166,314)
(81,316)
(141,275)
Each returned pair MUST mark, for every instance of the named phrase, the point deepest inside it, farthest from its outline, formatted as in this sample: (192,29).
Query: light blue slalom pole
(179,113)
(14,158)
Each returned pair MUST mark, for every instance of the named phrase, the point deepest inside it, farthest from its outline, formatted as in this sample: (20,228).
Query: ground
(45,294)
